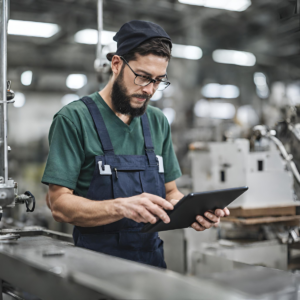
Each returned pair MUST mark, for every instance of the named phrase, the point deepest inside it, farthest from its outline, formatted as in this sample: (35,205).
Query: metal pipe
(1,289)
(3,89)
(100,29)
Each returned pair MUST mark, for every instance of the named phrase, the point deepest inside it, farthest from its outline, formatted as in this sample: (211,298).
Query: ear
(116,64)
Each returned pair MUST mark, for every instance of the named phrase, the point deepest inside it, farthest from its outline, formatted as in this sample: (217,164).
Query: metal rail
(3,90)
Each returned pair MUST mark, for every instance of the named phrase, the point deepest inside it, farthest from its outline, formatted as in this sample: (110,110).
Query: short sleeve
(171,165)
(66,154)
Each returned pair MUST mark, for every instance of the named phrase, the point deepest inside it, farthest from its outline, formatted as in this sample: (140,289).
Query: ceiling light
(68,98)
(19,99)
(90,36)
(26,78)
(76,81)
(170,114)
(247,116)
(293,93)
(157,96)
(215,110)
(234,57)
(235,5)
(28,28)
(262,88)
(188,52)
(215,90)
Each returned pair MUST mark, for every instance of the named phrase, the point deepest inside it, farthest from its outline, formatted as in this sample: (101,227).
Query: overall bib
(119,176)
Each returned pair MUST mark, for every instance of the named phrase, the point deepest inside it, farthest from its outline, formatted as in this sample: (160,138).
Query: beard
(121,100)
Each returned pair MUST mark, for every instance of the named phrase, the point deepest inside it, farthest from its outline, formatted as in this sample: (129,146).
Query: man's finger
(160,201)
(147,216)
(197,227)
(211,217)
(206,224)
(219,213)
(227,212)
(157,211)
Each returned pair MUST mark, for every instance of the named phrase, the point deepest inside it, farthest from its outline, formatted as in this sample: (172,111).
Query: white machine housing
(220,165)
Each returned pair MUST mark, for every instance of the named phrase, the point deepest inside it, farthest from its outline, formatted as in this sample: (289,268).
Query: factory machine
(263,227)
(36,263)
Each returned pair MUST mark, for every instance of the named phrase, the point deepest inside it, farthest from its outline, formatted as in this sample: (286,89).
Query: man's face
(129,98)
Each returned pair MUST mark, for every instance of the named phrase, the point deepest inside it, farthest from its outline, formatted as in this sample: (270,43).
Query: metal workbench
(47,265)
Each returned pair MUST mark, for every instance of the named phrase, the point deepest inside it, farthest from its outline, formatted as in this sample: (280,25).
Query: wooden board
(263,211)
(262,220)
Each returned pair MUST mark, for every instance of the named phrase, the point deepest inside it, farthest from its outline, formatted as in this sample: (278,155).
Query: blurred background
(235,64)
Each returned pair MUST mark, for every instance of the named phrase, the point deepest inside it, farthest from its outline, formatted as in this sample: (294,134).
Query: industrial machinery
(8,187)
(265,218)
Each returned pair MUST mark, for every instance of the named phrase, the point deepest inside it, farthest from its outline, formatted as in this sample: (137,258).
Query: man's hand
(211,219)
(144,208)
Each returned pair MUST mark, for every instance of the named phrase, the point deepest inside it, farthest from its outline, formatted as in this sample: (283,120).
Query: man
(111,166)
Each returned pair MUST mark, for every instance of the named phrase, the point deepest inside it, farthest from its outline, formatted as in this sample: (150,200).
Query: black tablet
(185,211)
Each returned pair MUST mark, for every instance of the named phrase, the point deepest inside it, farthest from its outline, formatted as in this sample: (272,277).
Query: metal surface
(174,250)
(257,282)
(83,274)
(270,254)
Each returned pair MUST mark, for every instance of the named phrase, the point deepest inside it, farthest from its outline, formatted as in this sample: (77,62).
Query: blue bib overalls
(119,176)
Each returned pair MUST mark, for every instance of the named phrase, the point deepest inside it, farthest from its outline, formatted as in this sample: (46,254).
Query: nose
(149,89)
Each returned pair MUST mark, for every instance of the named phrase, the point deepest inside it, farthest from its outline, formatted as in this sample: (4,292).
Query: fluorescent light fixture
(90,36)
(247,116)
(36,29)
(215,90)
(234,57)
(68,98)
(170,114)
(215,110)
(235,5)
(26,78)
(262,88)
(187,52)
(157,96)
(76,81)
(19,99)
(293,93)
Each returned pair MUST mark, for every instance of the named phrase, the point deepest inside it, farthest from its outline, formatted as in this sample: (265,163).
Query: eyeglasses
(142,80)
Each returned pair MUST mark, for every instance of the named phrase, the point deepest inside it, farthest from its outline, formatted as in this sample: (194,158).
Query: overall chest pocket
(131,181)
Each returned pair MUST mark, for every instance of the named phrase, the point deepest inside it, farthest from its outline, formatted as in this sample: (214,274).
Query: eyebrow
(148,74)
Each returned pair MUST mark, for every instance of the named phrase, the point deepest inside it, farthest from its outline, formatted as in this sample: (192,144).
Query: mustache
(147,97)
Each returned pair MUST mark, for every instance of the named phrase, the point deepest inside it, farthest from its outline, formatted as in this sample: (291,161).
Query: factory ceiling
(268,28)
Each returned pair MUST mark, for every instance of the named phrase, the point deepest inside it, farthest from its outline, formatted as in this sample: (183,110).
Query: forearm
(83,212)
(174,195)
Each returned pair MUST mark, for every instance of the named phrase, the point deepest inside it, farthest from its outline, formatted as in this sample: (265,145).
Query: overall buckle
(105,169)
(160,164)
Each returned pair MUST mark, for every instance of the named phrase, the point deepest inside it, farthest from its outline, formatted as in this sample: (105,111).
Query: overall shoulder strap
(99,124)
(149,148)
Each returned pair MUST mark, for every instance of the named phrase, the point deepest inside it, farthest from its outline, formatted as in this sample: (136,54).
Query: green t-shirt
(74,143)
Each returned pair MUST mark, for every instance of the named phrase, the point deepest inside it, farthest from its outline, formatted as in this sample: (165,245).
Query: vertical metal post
(1,289)
(3,89)
(98,62)
(100,28)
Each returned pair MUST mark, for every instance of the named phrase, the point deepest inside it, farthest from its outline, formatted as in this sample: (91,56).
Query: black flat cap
(134,33)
